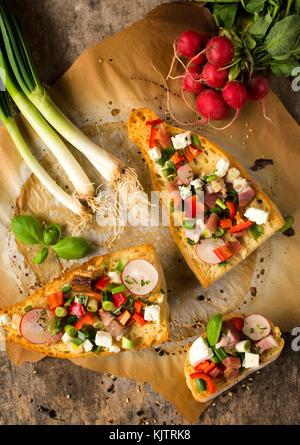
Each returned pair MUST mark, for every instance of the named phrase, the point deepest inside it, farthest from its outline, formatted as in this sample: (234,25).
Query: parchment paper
(98,93)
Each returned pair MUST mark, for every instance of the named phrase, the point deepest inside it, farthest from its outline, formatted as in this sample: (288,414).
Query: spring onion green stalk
(6,116)
(74,171)
(23,68)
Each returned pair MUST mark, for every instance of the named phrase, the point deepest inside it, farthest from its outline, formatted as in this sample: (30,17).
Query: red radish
(213,76)
(34,325)
(191,80)
(219,51)
(140,277)
(185,174)
(205,250)
(189,43)
(200,58)
(211,105)
(256,327)
(257,87)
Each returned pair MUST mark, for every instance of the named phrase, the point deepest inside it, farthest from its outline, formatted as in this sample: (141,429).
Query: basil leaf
(27,229)
(52,234)
(213,329)
(71,248)
(41,256)
(283,36)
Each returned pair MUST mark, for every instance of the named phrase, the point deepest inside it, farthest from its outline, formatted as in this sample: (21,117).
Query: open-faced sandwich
(231,348)
(219,215)
(109,304)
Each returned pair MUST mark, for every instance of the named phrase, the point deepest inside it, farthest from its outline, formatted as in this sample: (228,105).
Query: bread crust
(156,334)
(139,133)
(223,384)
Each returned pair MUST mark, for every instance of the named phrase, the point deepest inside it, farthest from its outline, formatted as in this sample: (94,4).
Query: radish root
(228,125)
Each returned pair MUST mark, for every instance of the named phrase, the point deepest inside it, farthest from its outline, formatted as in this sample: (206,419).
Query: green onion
(289,221)
(189,223)
(195,140)
(127,343)
(209,178)
(66,288)
(117,289)
(77,341)
(256,231)
(69,301)
(92,305)
(201,385)
(220,353)
(82,299)
(215,359)
(27,308)
(61,312)
(223,263)
(108,306)
(69,329)
(191,242)
(121,264)
(96,349)
(171,206)
(221,204)
(216,210)
(81,335)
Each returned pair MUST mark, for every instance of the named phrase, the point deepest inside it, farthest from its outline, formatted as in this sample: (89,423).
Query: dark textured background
(58,392)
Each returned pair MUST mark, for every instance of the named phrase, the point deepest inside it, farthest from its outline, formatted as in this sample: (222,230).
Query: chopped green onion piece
(191,242)
(69,301)
(66,288)
(223,263)
(82,299)
(27,308)
(216,210)
(92,305)
(61,311)
(55,330)
(171,206)
(127,343)
(209,178)
(118,289)
(218,232)
(77,341)
(108,305)
(289,221)
(256,231)
(189,223)
(121,264)
(69,329)
(241,369)
(221,204)
(81,335)
(201,385)
(195,140)
(215,359)
(220,353)
(96,349)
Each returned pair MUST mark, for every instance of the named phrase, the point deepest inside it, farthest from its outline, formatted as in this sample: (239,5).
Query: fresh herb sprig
(28,230)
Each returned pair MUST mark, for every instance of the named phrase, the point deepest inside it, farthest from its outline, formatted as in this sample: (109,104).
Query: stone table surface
(58,392)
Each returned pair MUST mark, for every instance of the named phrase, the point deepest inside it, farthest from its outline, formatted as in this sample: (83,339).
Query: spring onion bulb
(6,116)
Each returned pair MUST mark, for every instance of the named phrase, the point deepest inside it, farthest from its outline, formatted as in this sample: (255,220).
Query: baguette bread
(142,336)
(204,164)
(222,384)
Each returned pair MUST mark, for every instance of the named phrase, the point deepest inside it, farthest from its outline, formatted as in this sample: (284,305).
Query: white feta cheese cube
(152,313)
(16,318)
(232,174)
(222,167)
(257,215)
(76,349)
(200,351)
(250,360)
(114,348)
(160,299)
(154,153)
(103,339)
(115,277)
(197,183)
(185,191)
(87,345)
(240,184)
(66,339)
(181,140)
(5,320)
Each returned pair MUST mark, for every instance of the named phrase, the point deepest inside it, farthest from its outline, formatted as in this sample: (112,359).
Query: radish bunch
(206,76)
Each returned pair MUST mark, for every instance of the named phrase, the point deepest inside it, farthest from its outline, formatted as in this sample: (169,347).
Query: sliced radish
(205,250)
(140,277)
(35,324)
(185,174)
(256,327)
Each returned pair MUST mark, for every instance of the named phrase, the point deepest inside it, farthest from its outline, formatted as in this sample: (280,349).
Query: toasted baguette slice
(148,335)
(204,164)
(221,383)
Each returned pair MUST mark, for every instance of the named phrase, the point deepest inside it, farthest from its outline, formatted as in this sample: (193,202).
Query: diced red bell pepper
(225,223)
(124,317)
(232,208)
(193,208)
(55,300)
(177,159)
(102,282)
(209,383)
(191,153)
(138,305)
(155,122)
(139,318)
(209,368)
(238,323)
(201,366)
(240,226)
(87,319)
(76,309)
(153,137)
(119,299)
(96,295)
(223,253)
